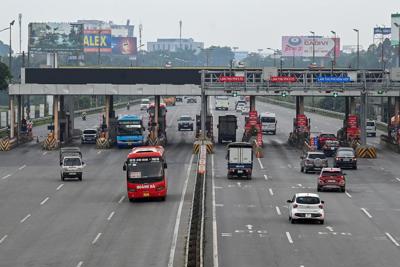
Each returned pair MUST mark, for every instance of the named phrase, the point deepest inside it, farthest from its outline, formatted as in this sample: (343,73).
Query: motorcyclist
(84,116)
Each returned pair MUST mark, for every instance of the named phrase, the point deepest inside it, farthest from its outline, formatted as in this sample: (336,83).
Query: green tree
(5,76)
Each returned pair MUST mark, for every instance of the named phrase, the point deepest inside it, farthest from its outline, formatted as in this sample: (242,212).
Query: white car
(306,206)
(144,104)
(371,128)
(240,106)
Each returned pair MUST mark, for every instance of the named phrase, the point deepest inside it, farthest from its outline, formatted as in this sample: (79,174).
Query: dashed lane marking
(271,192)
(110,216)
(219,205)
(218,187)
(329,228)
(22,167)
(44,201)
(398,179)
(3,238)
(44,153)
(266,177)
(278,210)
(214,216)
(96,238)
(99,152)
(59,187)
(259,162)
(226,234)
(121,199)
(347,194)
(5,177)
(366,213)
(289,237)
(79,264)
(392,239)
(25,218)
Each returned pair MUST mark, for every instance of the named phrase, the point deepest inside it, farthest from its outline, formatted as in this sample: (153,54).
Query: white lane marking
(300,185)
(22,167)
(266,177)
(178,217)
(219,205)
(226,234)
(218,187)
(110,216)
(398,179)
(366,213)
(3,238)
(121,199)
(347,194)
(98,152)
(59,187)
(214,217)
(289,237)
(329,228)
(96,238)
(249,226)
(44,153)
(271,192)
(79,264)
(5,177)
(392,239)
(44,201)
(259,161)
(278,210)
(25,218)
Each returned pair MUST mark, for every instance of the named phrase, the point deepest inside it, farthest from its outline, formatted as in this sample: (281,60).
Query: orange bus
(145,173)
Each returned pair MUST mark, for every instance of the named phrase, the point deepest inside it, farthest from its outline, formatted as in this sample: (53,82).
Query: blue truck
(130,131)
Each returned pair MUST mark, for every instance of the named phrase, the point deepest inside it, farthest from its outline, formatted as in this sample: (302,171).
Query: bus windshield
(145,170)
(129,129)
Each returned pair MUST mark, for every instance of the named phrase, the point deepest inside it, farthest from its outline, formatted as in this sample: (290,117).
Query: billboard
(124,45)
(395,29)
(382,30)
(55,37)
(95,40)
(302,46)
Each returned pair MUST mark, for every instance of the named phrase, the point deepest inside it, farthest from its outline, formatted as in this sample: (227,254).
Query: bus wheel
(163,198)
(131,200)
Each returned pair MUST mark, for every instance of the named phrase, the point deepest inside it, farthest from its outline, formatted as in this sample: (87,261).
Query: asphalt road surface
(249,225)
(47,222)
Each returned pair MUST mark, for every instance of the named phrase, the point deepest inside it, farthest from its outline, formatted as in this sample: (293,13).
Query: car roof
(90,129)
(315,153)
(185,116)
(346,148)
(331,169)
(306,195)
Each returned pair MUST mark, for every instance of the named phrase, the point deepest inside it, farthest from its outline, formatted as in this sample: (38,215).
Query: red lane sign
(231,79)
(283,79)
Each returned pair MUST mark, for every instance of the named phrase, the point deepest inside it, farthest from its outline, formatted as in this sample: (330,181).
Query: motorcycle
(83,116)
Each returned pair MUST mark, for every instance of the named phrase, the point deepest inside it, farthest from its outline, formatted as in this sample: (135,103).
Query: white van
(221,103)
(268,122)
(371,128)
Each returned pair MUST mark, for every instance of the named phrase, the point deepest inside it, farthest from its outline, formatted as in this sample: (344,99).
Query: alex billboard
(124,45)
(95,40)
(55,37)
(303,46)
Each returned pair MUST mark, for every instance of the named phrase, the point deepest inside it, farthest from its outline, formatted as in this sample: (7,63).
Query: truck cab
(268,122)
(221,103)
(240,160)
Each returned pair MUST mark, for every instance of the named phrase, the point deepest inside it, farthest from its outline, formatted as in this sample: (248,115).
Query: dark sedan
(345,158)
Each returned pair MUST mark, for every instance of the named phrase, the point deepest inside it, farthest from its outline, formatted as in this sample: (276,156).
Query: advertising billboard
(302,46)
(95,40)
(124,45)
(55,37)
(382,30)
(395,29)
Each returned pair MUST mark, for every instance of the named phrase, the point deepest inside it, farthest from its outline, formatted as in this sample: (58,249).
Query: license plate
(332,148)
(308,215)
(129,143)
(240,171)
(347,160)
(146,194)
(72,173)
(331,181)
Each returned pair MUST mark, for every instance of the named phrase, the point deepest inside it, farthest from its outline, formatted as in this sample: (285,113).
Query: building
(174,44)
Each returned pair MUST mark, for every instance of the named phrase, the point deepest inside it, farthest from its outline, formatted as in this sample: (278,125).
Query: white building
(174,44)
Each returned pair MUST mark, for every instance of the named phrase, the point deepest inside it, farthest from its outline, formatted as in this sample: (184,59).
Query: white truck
(268,122)
(221,103)
(71,163)
(240,159)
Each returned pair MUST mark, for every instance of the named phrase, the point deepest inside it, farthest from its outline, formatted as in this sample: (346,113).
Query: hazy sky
(247,24)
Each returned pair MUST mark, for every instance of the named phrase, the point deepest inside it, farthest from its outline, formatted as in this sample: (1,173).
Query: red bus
(145,173)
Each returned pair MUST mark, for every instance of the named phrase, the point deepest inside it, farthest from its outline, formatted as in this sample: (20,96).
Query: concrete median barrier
(366,152)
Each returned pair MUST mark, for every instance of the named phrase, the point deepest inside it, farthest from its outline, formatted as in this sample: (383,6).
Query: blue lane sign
(332,79)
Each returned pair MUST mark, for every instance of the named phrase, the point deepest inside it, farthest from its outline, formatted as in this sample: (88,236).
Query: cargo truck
(227,126)
(240,159)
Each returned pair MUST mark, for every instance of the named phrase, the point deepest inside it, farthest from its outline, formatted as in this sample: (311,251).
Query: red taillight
(159,188)
(321,206)
(295,206)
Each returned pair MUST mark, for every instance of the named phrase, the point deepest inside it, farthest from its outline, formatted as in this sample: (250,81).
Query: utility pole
(398,44)
(313,47)
(20,34)
(180,34)
(10,50)
(334,49)
(140,35)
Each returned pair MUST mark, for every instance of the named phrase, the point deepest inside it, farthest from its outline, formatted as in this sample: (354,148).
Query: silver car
(313,161)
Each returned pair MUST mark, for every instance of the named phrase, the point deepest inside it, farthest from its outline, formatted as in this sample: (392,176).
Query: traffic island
(366,151)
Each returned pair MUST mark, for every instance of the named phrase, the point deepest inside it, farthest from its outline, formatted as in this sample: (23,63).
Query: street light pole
(358,48)
(398,44)
(313,47)
(269,48)
(10,49)
(334,49)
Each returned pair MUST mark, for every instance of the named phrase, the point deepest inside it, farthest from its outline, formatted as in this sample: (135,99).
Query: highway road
(248,219)
(47,222)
